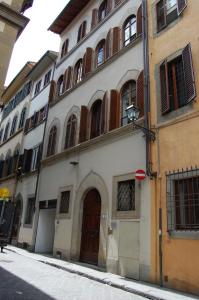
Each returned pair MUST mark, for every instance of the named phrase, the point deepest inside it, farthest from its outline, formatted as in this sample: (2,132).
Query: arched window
(6,132)
(64,49)
(100,53)
(129,30)
(22,118)
(81,31)
(71,132)
(52,141)
(78,71)
(128,97)
(102,12)
(60,85)
(96,116)
(14,124)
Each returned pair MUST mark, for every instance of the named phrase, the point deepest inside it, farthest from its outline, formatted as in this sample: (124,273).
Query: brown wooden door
(91,228)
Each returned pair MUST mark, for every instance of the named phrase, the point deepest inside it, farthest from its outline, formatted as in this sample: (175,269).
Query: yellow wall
(176,147)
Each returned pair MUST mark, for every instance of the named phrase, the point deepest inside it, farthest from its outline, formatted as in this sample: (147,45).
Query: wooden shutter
(140,93)
(87,61)
(104,114)
(36,118)
(39,156)
(52,91)
(165,101)
(109,6)
(108,45)
(27,160)
(83,29)
(94,18)
(83,124)
(189,74)
(161,14)
(1,168)
(114,110)
(67,78)
(139,21)
(116,40)
(182,4)
(26,126)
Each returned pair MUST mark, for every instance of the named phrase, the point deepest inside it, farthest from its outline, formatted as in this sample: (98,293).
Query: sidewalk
(142,289)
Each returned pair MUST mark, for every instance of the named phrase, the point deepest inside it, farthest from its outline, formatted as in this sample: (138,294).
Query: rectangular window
(167,11)
(42,114)
(126,195)
(177,81)
(30,211)
(183,201)
(47,78)
(64,202)
(37,87)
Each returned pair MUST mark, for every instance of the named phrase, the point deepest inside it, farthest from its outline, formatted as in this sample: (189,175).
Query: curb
(103,281)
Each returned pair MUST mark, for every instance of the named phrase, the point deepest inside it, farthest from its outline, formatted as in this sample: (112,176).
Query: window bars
(183,200)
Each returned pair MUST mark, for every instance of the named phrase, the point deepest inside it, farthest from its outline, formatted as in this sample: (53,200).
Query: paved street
(24,278)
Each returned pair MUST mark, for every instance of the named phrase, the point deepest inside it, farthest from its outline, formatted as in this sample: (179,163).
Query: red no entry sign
(140,175)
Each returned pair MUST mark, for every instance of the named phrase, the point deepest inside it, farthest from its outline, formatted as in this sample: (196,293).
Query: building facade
(12,23)
(16,100)
(40,76)
(91,150)
(174,81)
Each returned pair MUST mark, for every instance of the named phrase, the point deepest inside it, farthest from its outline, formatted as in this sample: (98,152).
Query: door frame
(91,181)
(84,220)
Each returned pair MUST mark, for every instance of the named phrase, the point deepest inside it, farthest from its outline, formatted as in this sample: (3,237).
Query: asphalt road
(24,278)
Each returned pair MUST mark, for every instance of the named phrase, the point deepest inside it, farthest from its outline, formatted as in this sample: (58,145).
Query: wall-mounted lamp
(74,163)
(133,113)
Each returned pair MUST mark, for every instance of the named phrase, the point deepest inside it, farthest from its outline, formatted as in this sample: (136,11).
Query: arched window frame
(78,75)
(128,97)
(100,53)
(64,49)
(71,130)
(52,140)
(22,118)
(14,125)
(60,85)
(129,30)
(102,11)
(6,132)
(81,31)
(95,119)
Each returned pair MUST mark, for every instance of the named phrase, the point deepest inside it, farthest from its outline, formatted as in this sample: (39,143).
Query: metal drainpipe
(146,81)
(39,168)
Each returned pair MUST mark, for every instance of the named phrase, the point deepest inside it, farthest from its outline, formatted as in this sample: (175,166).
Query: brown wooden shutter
(108,45)
(84,29)
(94,18)
(182,4)
(27,160)
(104,114)
(161,14)
(83,124)
(116,40)
(109,6)
(189,74)
(67,78)
(140,93)
(164,88)
(114,110)
(26,126)
(87,61)
(139,21)
(52,91)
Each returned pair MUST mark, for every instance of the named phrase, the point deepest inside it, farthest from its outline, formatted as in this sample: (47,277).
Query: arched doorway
(17,219)
(91,227)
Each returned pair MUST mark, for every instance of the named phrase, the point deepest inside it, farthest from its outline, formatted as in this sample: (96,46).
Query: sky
(35,40)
